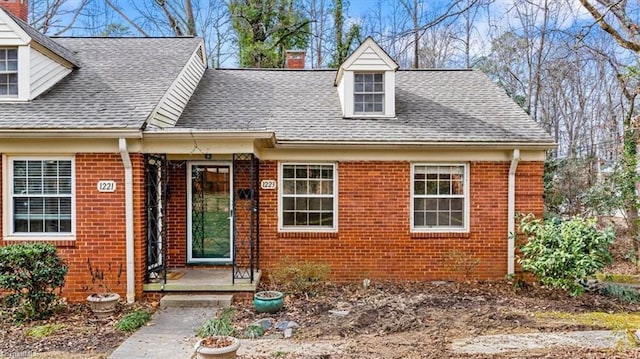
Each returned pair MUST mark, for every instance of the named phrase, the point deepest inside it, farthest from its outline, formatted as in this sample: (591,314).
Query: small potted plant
(218,341)
(269,301)
(103,301)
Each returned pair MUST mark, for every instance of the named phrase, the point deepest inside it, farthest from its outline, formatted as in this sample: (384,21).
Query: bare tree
(55,17)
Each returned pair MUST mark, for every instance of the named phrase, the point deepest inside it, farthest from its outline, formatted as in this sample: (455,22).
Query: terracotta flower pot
(269,301)
(217,347)
(103,305)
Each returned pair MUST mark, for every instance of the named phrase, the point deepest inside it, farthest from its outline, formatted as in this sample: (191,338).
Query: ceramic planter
(269,301)
(103,305)
(217,347)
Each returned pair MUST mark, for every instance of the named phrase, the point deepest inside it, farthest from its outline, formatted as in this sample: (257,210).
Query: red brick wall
(374,238)
(100,225)
(19,8)
(177,217)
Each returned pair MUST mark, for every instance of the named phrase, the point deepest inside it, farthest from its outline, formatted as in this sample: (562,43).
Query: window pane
(301,219)
(288,204)
(287,172)
(301,172)
(301,187)
(12,66)
(418,219)
(288,218)
(327,187)
(419,187)
(289,187)
(327,204)
(19,185)
(314,187)
(419,204)
(314,204)
(12,54)
(314,219)
(431,218)
(301,204)
(326,219)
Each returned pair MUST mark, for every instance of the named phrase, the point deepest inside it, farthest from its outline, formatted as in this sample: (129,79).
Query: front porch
(202,227)
(203,280)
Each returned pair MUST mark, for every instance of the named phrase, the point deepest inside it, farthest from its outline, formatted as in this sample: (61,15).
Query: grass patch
(220,325)
(43,331)
(613,321)
(618,278)
(133,321)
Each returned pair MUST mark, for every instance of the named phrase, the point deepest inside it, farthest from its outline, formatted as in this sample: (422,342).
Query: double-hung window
(368,93)
(41,193)
(440,197)
(308,197)
(8,72)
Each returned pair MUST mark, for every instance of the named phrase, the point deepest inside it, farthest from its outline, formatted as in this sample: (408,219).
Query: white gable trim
(168,110)
(7,25)
(357,61)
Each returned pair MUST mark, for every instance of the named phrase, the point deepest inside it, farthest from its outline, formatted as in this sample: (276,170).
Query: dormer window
(8,72)
(366,83)
(368,93)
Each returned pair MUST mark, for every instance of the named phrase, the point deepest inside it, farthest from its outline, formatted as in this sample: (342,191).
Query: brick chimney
(295,59)
(19,8)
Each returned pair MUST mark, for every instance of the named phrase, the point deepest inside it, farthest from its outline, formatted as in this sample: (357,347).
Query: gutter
(129,236)
(414,144)
(511,212)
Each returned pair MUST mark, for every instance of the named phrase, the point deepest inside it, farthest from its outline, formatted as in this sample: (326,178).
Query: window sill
(307,235)
(439,235)
(58,242)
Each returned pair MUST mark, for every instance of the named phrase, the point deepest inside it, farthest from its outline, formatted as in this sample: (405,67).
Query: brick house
(131,154)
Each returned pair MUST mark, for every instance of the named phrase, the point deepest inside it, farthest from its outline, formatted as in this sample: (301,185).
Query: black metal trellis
(246,229)
(156,180)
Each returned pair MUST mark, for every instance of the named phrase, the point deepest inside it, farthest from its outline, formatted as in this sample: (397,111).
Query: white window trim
(17,72)
(467,207)
(7,210)
(311,229)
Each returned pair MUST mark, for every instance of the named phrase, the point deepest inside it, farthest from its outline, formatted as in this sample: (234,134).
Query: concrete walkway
(170,334)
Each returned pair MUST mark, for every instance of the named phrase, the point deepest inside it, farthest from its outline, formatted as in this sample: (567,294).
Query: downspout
(128,208)
(511,212)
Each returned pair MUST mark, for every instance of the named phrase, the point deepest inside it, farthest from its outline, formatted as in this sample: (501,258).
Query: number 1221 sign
(106,186)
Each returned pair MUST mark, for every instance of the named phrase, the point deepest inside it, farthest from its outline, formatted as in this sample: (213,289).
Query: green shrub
(560,253)
(34,274)
(133,321)
(299,277)
(220,325)
(623,293)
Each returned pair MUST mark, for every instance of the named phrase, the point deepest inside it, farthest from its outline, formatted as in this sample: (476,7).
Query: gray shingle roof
(119,82)
(45,41)
(432,106)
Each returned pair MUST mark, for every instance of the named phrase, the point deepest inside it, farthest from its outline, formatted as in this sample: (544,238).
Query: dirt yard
(408,320)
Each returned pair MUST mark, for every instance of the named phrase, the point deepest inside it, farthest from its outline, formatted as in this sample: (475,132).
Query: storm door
(209,213)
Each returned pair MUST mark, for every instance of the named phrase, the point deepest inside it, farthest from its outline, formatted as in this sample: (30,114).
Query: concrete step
(196,300)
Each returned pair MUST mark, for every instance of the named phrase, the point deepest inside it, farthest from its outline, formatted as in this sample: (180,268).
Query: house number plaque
(268,184)
(106,186)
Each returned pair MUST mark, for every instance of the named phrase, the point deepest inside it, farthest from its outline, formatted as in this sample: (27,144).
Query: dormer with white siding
(30,62)
(366,83)
(168,111)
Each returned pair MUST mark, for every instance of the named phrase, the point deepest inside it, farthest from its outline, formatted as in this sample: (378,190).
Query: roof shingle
(118,84)
(432,106)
